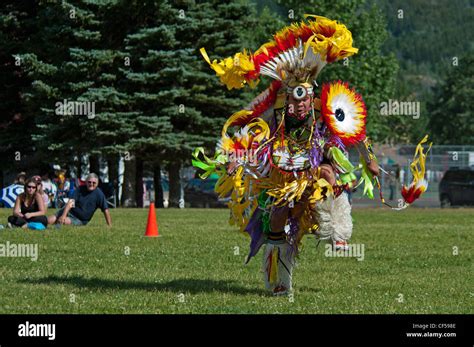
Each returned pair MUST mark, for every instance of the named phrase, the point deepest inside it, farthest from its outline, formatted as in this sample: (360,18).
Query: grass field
(408,267)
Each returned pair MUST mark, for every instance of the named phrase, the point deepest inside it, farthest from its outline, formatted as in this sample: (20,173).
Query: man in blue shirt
(81,208)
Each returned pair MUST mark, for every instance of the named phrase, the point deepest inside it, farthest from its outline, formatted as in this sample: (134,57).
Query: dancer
(286,166)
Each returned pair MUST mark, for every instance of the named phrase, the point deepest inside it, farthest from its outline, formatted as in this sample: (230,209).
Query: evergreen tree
(77,69)
(452,108)
(180,101)
(16,124)
(82,67)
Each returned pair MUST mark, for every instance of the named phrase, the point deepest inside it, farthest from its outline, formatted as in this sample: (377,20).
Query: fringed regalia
(272,163)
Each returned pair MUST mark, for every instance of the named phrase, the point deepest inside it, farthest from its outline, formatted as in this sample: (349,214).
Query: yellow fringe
(418,164)
(274,266)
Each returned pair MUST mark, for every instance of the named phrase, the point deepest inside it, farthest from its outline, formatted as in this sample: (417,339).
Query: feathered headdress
(296,54)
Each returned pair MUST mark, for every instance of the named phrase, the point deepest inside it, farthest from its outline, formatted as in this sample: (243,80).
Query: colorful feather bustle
(309,45)
(262,102)
(344,112)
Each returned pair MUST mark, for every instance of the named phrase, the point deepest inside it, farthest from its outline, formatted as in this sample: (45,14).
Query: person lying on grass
(80,209)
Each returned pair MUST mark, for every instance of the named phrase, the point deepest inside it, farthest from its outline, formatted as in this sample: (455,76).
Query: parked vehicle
(457,187)
(200,193)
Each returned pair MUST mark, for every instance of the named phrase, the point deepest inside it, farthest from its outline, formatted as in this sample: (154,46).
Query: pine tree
(76,68)
(16,124)
(180,101)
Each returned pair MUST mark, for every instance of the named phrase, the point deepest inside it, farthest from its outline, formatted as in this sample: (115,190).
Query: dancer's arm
(368,156)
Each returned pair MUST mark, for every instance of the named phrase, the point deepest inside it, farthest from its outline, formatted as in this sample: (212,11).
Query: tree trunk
(157,185)
(78,165)
(128,188)
(112,164)
(139,182)
(175,184)
(94,165)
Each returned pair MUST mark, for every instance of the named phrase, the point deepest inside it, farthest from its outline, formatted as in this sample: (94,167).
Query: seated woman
(29,207)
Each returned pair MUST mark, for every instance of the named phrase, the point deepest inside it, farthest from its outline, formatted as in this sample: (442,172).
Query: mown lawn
(410,266)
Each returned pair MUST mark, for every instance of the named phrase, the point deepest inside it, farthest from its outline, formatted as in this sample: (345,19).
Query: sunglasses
(91,182)
(31,187)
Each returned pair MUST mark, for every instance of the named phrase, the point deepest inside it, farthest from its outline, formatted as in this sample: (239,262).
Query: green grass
(408,253)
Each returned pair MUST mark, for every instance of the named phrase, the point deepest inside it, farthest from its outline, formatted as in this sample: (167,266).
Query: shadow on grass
(308,289)
(179,286)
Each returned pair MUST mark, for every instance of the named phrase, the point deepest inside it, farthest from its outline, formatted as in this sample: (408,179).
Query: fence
(439,160)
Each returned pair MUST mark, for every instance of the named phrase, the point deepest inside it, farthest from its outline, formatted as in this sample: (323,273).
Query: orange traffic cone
(152,225)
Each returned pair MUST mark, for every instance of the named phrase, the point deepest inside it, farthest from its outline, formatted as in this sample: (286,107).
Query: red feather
(262,106)
(411,194)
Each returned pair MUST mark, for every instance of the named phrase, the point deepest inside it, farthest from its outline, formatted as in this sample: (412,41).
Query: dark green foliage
(452,107)
(427,37)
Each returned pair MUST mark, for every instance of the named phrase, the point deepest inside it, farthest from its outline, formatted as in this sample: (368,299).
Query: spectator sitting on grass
(29,207)
(49,188)
(20,178)
(81,208)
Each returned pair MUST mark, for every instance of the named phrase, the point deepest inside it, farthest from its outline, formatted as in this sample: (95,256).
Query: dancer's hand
(353,186)
(373,167)
(231,167)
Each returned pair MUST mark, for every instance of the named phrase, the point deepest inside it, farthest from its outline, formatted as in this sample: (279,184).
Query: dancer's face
(299,108)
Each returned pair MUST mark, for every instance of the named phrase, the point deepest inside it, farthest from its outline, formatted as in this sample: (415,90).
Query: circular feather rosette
(343,112)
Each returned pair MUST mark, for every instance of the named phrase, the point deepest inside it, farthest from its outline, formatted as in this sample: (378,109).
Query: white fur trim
(342,220)
(323,217)
(334,218)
